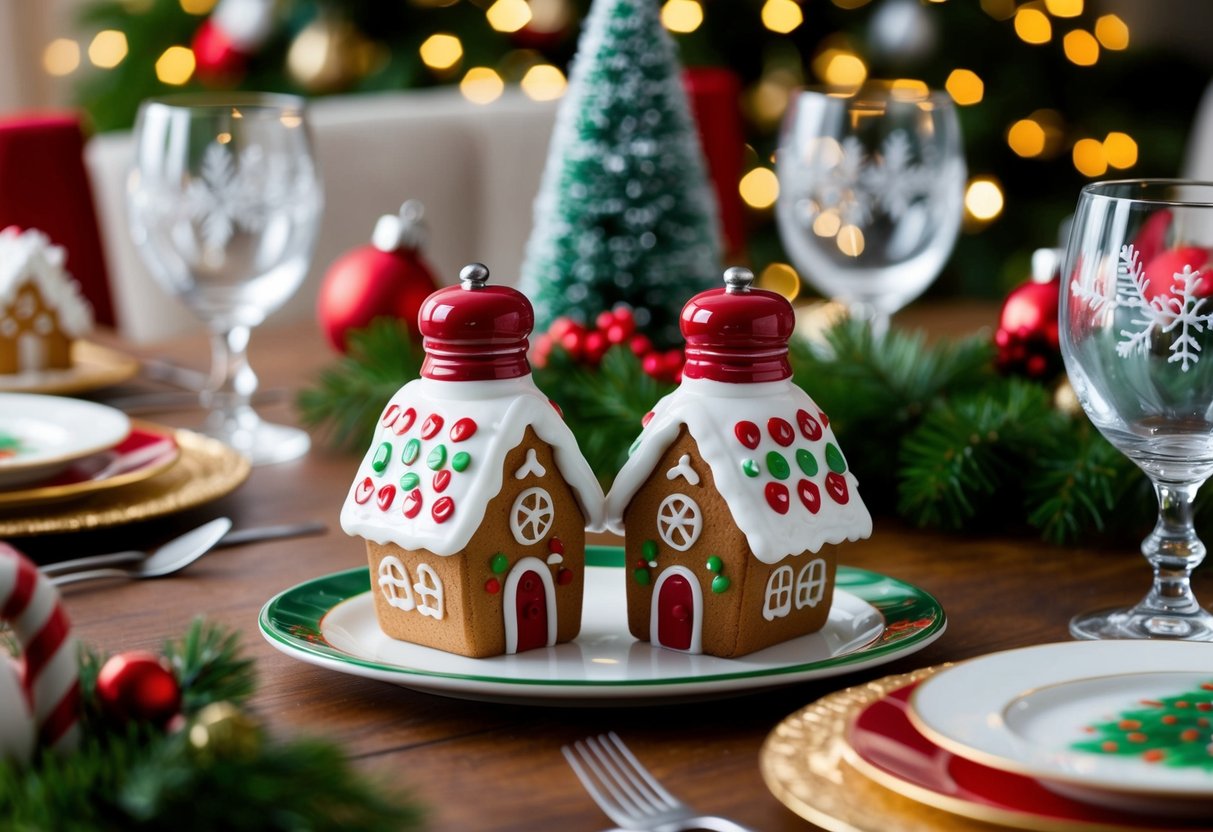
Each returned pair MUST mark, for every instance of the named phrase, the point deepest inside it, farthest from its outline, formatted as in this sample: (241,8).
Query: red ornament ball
(1027,331)
(218,61)
(138,686)
(1164,272)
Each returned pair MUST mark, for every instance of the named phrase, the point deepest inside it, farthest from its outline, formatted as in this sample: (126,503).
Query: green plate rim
(293,617)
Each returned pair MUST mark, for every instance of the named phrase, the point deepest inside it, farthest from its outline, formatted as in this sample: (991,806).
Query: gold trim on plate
(93,367)
(206,470)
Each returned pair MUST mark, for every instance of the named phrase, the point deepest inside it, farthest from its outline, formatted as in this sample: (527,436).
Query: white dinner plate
(1122,723)
(330,622)
(42,435)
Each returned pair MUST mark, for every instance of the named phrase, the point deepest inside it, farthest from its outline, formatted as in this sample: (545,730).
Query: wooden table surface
(484,766)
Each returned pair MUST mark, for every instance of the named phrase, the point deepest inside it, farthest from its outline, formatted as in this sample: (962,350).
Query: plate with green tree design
(1127,724)
(330,622)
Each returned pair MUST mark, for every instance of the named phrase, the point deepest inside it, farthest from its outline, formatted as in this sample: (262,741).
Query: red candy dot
(564,576)
(836,487)
(556,407)
(648,417)
(364,491)
(1154,755)
(808,425)
(389,415)
(492,586)
(781,431)
(777,497)
(810,495)
(412,503)
(825,420)
(463,429)
(554,545)
(747,434)
(442,479)
(405,421)
(385,497)
(443,509)
(433,424)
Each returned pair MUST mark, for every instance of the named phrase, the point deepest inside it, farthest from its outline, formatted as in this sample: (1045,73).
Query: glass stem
(232,381)
(1174,550)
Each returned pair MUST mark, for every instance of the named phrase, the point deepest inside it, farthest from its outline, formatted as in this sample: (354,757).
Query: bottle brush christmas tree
(624,213)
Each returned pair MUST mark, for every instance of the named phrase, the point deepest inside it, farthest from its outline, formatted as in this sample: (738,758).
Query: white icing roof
(790,472)
(501,411)
(29,254)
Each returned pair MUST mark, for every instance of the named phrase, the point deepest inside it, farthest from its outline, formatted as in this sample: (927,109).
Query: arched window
(395,584)
(778,601)
(811,584)
(429,592)
(679,522)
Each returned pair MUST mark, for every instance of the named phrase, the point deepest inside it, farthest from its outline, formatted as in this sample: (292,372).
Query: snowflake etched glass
(1135,321)
(870,194)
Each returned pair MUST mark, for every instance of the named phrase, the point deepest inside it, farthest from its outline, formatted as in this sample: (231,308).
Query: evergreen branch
(346,402)
(209,668)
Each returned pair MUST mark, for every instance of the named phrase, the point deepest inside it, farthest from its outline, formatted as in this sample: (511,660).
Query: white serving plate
(53,432)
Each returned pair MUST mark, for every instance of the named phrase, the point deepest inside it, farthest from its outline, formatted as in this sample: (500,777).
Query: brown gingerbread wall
(57,346)
(474,625)
(733,624)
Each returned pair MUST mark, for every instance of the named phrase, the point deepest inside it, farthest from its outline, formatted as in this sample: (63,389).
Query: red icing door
(675,613)
(530,604)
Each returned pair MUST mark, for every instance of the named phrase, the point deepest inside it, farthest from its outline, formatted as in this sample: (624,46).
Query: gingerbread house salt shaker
(736,493)
(473,497)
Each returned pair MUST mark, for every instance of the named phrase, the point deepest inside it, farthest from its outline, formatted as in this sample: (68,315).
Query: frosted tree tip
(737,280)
(473,276)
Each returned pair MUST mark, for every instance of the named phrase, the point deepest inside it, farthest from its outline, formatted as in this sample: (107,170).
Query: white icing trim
(388,583)
(29,257)
(777,600)
(509,611)
(811,584)
(709,410)
(530,466)
(555,558)
(696,612)
(428,586)
(683,469)
(679,521)
(539,519)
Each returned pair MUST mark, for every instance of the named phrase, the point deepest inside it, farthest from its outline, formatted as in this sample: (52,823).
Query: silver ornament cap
(404,229)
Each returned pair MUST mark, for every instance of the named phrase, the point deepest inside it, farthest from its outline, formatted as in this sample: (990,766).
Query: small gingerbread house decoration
(474,498)
(41,309)
(736,492)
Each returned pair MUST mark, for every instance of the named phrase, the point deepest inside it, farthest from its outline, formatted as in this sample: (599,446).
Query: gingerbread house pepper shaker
(473,497)
(736,493)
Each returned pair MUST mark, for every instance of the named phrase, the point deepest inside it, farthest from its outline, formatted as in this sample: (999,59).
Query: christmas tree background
(1053,93)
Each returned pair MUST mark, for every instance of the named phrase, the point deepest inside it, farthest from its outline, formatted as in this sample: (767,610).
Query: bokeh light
(175,66)
(781,16)
(1081,47)
(441,51)
(61,57)
(759,188)
(965,87)
(481,85)
(544,82)
(1089,157)
(682,16)
(983,198)
(107,49)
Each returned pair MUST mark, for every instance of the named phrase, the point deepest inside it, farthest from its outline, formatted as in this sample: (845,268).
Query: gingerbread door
(676,612)
(529,606)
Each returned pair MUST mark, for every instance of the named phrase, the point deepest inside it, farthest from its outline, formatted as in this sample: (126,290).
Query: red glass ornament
(737,334)
(1161,271)
(1026,338)
(217,59)
(475,332)
(138,686)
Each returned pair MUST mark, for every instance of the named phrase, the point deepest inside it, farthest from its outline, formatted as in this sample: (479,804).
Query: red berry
(617,333)
(562,326)
(604,321)
(623,315)
(652,364)
(574,342)
(672,360)
(138,686)
(596,345)
(640,345)
(541,350)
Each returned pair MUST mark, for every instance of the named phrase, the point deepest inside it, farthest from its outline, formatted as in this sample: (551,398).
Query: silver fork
(631,796)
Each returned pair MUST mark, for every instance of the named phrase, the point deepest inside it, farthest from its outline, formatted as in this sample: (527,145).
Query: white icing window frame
(517,529)
(777,602)
(429,592)
(696,613)
(390,582)
(811,584)
(509,611)
(694,521)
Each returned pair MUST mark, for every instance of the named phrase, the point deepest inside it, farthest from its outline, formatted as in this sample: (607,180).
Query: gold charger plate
(93,367)
(206,470)
(803,763)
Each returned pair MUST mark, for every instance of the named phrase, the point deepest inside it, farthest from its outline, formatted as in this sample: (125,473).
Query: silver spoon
(171,557)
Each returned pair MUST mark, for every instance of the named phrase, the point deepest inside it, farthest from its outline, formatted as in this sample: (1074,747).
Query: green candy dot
(461,461)
(649,549)
(720,583)
(409,481)
(383,455)
(834,459)
(807,462)
(499,563)
(437,457)
(777,465)
(412,449)
(641,576)
(715,564)
(750,467)
(635,445)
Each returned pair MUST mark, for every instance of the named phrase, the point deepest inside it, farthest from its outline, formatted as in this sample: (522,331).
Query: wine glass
(1136,325)
(224,202)
(871,187)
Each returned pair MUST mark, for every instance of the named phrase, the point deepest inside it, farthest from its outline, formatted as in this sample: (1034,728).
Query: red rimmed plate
(885,746)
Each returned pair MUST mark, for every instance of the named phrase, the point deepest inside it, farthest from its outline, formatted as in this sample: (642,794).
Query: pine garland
(934,433)
(136,776)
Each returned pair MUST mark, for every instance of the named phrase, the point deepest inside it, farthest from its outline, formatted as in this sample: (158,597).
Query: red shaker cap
(737,334)
(475,332)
